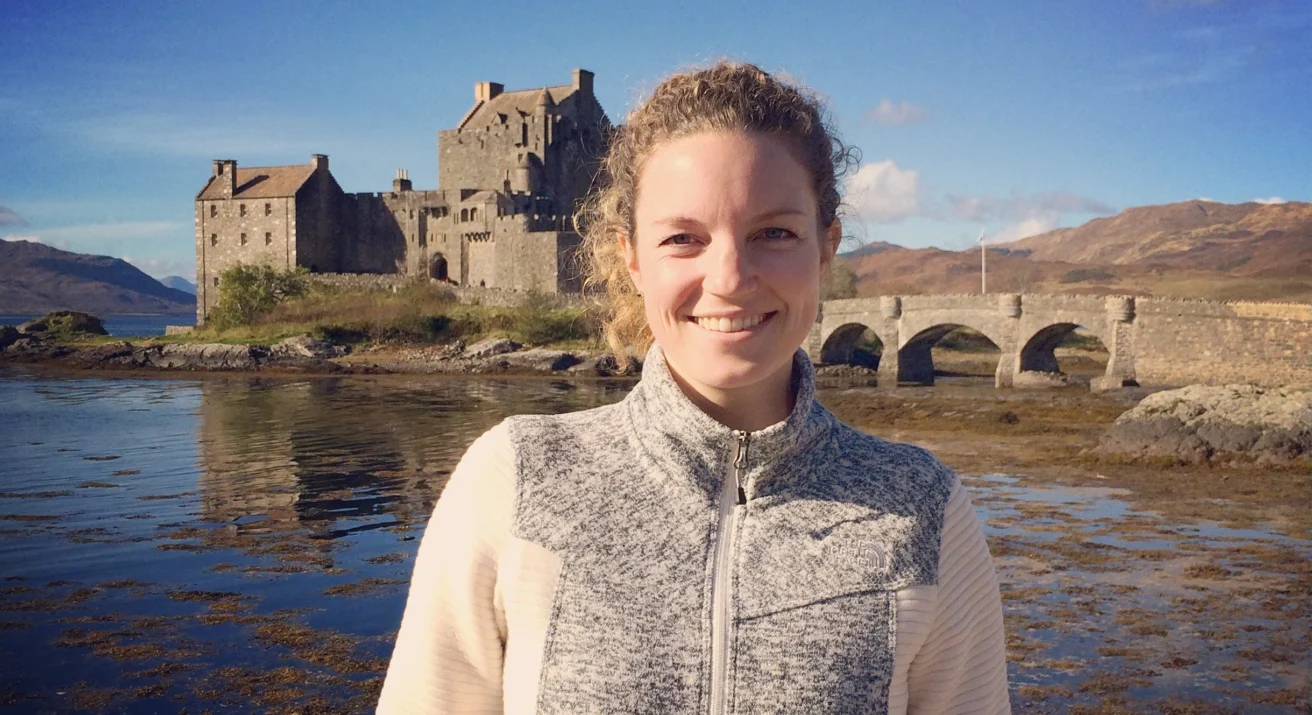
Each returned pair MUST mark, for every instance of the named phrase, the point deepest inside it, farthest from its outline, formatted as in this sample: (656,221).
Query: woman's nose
(731,270)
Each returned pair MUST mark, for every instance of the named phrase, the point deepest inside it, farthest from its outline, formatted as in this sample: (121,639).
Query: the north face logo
(863,555)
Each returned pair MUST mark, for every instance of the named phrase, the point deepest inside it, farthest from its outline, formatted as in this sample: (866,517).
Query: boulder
(119,352)
(8,336)
(605,366)
(212,356)
(1040,379)
(1199,424)
(540,359)
(304,346)
(490,348)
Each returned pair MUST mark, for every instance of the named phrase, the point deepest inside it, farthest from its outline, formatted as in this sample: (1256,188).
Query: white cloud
(1024,229)
(1019,207)
(1272,200)
(884,192)
(898,114)
(1024,216)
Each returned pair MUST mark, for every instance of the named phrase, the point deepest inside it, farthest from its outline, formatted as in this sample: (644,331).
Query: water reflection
(334,457)
(152,531)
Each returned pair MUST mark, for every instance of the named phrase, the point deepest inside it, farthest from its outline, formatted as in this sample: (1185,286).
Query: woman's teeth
(729,325)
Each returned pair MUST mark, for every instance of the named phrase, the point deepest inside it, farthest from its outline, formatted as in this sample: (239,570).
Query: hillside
(1267,240)
(35,278)
(179,283)
(1191,250)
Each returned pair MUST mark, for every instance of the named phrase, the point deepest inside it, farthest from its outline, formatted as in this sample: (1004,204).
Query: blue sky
(1012,117)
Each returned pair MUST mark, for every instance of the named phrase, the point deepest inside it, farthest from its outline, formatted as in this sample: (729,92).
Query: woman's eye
(777,234)
(681,239)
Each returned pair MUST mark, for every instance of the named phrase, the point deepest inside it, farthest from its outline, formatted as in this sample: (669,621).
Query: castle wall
(483,157)
(270,238)
(318,205)
(370,236)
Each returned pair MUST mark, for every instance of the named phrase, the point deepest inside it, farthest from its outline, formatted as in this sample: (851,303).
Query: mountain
(870,249)
(1192,249)
(35,278)
(1252,239)
(179,283)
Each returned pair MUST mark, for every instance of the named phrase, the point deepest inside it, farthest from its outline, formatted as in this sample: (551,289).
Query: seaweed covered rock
(8,336)
(65,324)
(1199,424)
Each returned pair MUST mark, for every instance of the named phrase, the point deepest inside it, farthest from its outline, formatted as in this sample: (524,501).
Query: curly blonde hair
(727,96)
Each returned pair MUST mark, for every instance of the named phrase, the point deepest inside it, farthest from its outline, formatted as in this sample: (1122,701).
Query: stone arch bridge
(1151,341)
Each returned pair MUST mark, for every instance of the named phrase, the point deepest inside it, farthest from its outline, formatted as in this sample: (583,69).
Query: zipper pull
(740,464)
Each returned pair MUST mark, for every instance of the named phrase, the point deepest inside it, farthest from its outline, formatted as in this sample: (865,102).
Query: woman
(717,541)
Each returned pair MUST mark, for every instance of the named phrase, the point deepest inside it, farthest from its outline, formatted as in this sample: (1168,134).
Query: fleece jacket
(643,558)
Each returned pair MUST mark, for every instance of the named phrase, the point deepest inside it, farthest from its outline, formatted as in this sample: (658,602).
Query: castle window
(412,213)
(243,239)
(473,214)
(216,281)
(214,239)
(241,209)
(464,215)
(268,209)
(214,210)
(523,134)
(268,238)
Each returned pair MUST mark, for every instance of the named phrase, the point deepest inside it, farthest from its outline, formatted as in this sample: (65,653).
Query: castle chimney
(583,81)
(225,170)
(485,91)
(319,161)
(401,182)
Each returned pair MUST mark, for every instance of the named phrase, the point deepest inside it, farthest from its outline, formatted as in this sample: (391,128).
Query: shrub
(840,283)
(246,292)
(1080,275)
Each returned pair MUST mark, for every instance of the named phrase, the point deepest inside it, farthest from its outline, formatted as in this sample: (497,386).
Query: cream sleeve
(961,667)
(449,652)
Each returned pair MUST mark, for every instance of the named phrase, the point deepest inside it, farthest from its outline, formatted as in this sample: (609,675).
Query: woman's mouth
(730,325)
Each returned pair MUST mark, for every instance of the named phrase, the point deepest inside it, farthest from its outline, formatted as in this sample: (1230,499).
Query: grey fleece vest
(628,496)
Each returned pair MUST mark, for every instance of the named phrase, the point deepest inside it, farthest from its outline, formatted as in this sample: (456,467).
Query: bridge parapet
(1151,340)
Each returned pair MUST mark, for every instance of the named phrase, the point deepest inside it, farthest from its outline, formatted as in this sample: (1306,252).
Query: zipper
(721,572)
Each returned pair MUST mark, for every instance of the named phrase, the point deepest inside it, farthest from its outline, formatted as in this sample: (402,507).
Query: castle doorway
(437,268)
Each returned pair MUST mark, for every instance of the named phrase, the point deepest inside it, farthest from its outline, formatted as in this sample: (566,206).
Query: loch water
(243,544)
(175,543)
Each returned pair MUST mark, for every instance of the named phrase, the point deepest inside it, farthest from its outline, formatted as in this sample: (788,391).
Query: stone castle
(509,178)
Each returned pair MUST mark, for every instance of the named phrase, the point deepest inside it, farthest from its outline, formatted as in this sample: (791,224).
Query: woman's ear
(829,246)
(631,261)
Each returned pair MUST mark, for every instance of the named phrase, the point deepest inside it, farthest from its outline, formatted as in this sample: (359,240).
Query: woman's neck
(749,408)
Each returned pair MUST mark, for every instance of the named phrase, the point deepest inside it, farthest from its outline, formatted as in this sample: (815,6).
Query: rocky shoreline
(304,355)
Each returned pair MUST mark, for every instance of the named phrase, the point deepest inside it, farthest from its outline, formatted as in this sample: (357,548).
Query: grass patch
(420,313)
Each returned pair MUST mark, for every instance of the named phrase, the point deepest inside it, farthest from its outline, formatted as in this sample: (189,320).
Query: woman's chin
(723,372)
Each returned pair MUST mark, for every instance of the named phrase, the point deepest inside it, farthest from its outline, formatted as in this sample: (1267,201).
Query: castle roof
(513,105)
(262,182)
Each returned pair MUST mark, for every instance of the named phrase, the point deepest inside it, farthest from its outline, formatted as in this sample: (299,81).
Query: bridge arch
(1037,363)
(852,344)
(916,359)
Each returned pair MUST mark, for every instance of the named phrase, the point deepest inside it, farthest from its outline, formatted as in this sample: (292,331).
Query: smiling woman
(718,541)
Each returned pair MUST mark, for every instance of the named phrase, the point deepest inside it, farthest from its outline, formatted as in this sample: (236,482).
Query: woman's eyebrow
(684,221)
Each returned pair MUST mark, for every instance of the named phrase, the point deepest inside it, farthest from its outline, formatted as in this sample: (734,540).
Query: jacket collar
(684,440)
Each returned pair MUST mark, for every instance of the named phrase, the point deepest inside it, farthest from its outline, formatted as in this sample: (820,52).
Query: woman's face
(728,256)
